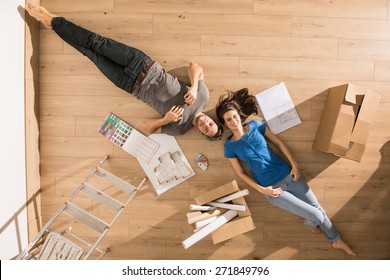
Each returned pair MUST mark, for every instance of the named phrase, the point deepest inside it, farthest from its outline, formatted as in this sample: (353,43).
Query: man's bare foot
(40,14)
(340,244)
(316,230)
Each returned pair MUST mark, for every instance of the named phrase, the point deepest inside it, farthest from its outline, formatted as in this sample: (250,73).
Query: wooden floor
(310,45)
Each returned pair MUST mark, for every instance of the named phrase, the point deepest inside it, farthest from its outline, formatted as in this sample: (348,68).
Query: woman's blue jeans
(120,63)
(299,199)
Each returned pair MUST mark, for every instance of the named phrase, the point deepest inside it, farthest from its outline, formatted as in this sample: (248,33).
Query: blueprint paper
(278,109)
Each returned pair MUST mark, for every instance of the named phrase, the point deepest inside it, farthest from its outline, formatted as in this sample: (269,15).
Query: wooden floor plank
(372,9)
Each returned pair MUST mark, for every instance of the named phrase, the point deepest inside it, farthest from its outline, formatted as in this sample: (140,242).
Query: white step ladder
(50,245)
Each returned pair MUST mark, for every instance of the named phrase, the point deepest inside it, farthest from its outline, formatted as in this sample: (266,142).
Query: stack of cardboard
(227,219)
(346,121)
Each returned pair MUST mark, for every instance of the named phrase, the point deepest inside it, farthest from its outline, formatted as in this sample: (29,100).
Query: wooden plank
(218,24)
(57,126)
(50,42)
(111,23)
(186,6)
(66,64)
(88,126)
(75,146)
(93,107)
(213,66)
(307,69)
(366,9)
(364,50)
(269,46)
(382,71)
(76,84)
(340,28)
(78,6)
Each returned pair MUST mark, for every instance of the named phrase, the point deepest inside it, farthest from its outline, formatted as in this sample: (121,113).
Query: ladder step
(115,181)
(101,197)
(85,217)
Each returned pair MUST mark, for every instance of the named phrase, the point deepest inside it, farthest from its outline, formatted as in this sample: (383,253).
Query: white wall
(13,216)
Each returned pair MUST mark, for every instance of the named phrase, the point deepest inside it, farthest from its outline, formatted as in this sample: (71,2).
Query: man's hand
(191,95)
(174,114)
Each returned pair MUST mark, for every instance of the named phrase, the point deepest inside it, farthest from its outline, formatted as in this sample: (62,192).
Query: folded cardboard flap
(346,121)
(217,193)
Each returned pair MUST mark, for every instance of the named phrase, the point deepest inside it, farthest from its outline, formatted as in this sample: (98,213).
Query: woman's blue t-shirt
(267,167)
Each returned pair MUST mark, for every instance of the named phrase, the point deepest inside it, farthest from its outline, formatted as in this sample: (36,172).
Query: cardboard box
(217,193)
(240,224)
(346,121)
(233,229)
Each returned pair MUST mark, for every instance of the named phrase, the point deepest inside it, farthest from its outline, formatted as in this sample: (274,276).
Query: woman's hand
(270,191)
(174,114)
(191,95)
(295,173)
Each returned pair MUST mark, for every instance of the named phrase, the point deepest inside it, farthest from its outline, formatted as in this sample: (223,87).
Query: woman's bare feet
(40,14)
(340,244)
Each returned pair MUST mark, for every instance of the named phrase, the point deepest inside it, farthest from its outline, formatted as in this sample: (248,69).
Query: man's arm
(195,73)
(154,125)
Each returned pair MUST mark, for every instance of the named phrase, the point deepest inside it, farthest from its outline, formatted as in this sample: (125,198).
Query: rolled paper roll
(220,221)
(201,207)
(203,216)
(232,196)
(228,206)
(205,222)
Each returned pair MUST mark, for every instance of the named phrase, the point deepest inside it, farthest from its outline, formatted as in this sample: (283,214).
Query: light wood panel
(218,24)
(340,28)
(185,6)
(309,45)
(269,46)
(370,9)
